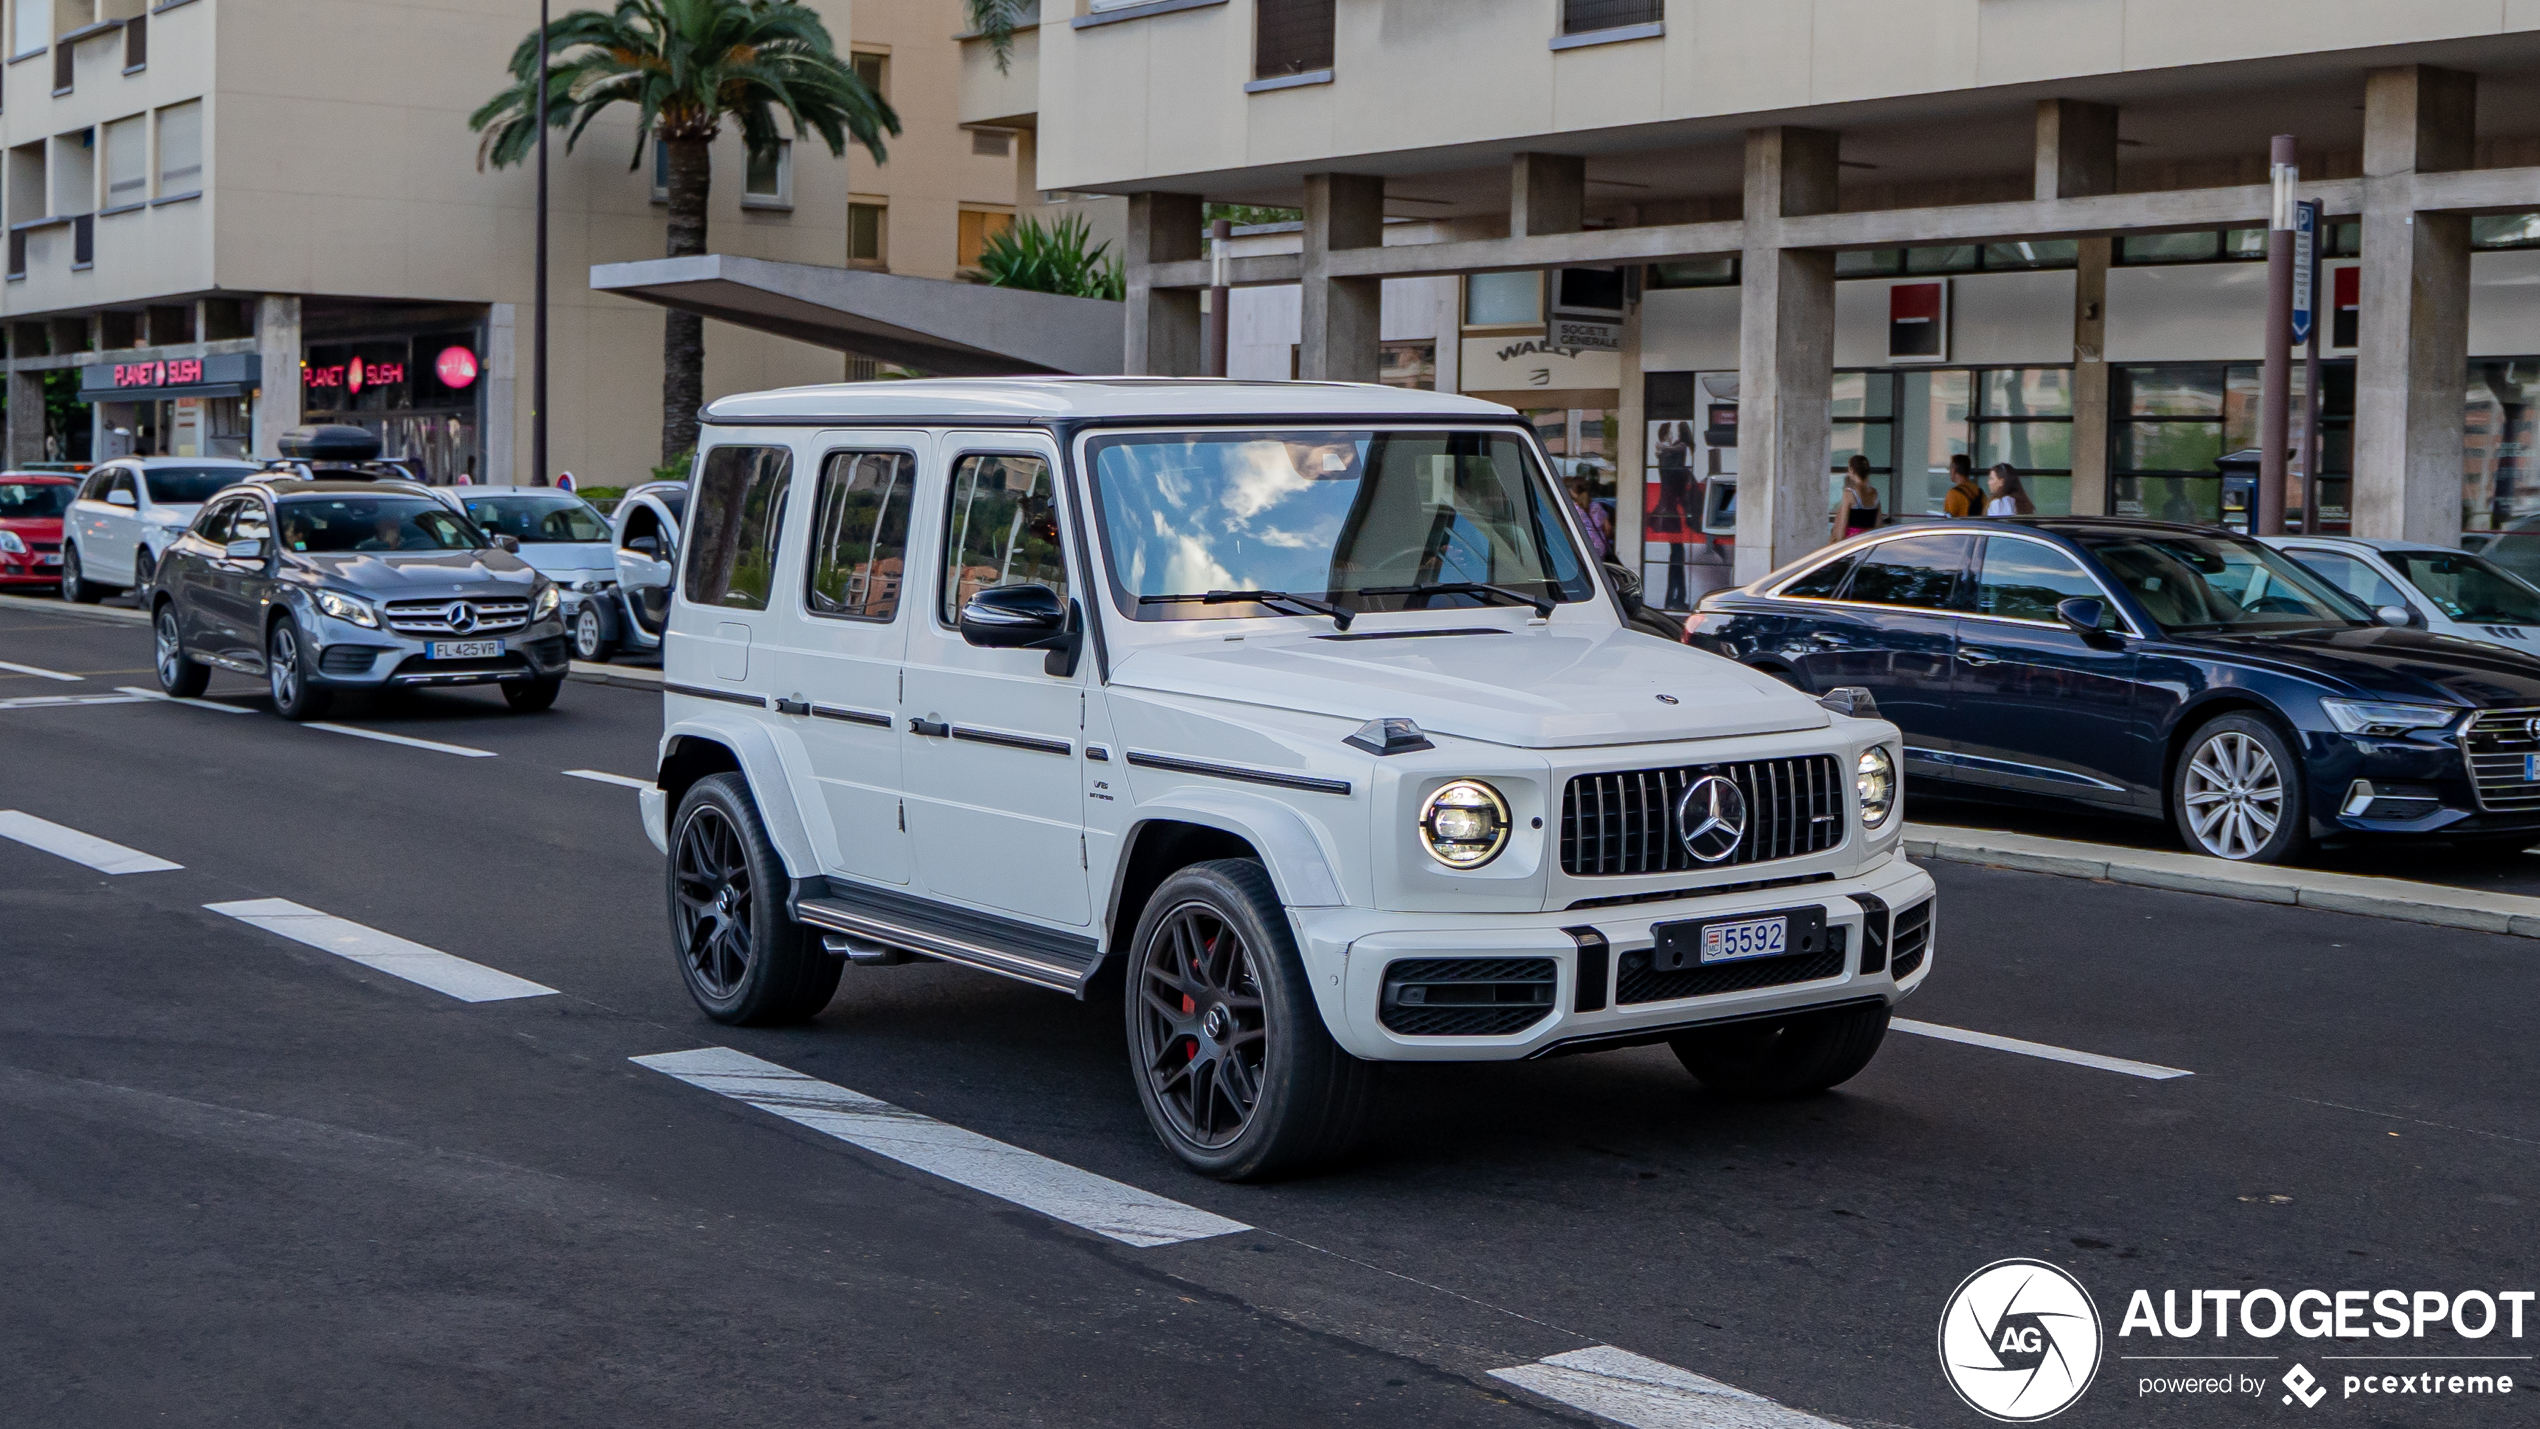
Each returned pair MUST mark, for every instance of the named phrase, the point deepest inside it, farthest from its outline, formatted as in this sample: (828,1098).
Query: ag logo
(2019,1341)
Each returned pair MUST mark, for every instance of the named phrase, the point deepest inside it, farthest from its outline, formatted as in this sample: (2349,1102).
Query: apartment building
(226,217)
(1747,239)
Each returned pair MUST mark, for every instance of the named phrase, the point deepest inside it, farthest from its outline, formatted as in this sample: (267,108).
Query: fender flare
(1296,855)
(764,767)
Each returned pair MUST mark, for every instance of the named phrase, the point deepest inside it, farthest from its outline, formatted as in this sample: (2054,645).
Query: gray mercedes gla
(327,583)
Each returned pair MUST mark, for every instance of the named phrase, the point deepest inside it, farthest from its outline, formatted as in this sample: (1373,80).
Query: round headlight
(1874,779)
(1464,824)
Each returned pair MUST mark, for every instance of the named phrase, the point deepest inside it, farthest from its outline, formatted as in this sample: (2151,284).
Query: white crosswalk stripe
(2150,1071)
(78,847)
(407,740)
(384,952)
(1649,1394)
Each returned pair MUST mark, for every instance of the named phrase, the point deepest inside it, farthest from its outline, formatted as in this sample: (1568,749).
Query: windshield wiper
(1542,606)
(1295,604)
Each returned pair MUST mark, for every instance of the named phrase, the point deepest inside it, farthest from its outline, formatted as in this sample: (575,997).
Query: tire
(1785,1056)
(591,643)
(531,696)
(179,675)
(744,960)
(287,675)
(1198,1007)
(2237,792)
(145,569)
(76,587)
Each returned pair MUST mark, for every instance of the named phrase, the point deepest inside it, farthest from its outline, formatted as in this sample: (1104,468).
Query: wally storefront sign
(224,374)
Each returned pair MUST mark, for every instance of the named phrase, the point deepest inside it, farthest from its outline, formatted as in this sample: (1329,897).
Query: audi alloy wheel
(2238,793)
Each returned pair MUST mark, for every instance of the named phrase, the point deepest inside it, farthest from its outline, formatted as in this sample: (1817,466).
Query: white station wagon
(1294,716)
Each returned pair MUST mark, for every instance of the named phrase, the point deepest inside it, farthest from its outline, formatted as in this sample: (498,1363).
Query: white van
(1293,716)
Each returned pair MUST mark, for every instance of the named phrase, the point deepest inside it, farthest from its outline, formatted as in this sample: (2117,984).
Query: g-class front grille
(456,617)
(1626,822)
(1466,997)
(2499,745)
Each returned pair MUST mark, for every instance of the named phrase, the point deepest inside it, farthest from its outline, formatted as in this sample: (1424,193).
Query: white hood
(1533,688)
(563,561)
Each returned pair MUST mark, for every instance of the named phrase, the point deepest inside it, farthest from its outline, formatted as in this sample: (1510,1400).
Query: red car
(31,507)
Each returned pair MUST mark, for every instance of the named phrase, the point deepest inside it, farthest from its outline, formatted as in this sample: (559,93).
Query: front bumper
(2423,782)
(1347,950)
(357,657)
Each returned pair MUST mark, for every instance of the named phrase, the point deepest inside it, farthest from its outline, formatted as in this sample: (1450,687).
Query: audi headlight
(1464,824)
(2375,717)
(10,543)
(544,603)
(1874,779)
(344,607)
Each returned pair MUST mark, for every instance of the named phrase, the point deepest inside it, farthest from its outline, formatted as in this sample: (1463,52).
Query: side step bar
(839,916)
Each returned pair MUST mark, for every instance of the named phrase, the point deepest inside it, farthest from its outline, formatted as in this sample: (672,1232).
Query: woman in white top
(2003,486)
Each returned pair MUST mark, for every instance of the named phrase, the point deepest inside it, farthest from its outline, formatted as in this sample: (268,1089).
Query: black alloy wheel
(742,956)
(179,675)
(287,671)
(1236,1071)
(1784,1056)
(76,587)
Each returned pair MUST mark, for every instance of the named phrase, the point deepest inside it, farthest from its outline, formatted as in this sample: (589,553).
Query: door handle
(1828,637)
(1978,657)
(929,728)
(793,707)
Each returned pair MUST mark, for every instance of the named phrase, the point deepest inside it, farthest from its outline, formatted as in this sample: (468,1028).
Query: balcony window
(75,172)
(977,227)
(1291,37)
(128,162)
(1580,17)
(181,150)
(32,30)
(868,244)
(767,179)
(874,69)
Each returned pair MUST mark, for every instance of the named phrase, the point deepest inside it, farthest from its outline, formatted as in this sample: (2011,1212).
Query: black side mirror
(507,543)
(1626,587)
(1025,617)
(2083,613)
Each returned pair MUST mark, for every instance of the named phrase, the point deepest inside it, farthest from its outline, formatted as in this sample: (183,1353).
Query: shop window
(2505,230)
(1698,273)
(128,163)
(1503,300)
(1869,263)
(1579,17)
(1409,364)
(2024,416)
(2045,253)
(1291,37)
(2169,425)
(1864,425)
(977,227)
(868,235)
(2169,248)
(875,70)
(2500,488)
(2345,240)
(181,150)
(1957,258)
(767,178)
(2245,244)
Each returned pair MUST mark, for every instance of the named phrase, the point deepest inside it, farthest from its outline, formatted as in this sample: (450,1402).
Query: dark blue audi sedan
(2170,672)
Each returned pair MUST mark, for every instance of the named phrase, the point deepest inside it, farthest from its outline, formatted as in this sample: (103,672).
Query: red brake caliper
(1189,1007)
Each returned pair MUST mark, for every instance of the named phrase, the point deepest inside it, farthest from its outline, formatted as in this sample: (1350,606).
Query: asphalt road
(245,1180)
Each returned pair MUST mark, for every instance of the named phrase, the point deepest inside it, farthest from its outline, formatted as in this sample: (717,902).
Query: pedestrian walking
(1856,504)
(2008,497)
(1965,498)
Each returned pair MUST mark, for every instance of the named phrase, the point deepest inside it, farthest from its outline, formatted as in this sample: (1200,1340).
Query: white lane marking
(602,776)
(1648,1394)
(385,952)
(2152,1071)
(39,672)
(78,847)
(408,740)
(1010,1173)
(46,702)
(141,694)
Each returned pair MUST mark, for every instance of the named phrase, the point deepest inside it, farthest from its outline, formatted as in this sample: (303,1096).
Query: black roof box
(330,443)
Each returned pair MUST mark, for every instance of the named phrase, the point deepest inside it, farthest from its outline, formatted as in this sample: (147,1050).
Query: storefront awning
(931,324)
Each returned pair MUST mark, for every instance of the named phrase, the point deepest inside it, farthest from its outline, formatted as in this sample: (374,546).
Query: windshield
(2468,587)
(2214,583)
(538,518)
(34,500)
(188,485)
(329,524)
(1351,517)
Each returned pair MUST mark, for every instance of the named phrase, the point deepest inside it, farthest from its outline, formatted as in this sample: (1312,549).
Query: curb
(108,614)
(629,677)
(2395,898)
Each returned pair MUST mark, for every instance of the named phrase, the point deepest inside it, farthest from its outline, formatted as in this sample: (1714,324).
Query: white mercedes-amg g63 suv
(1294,716)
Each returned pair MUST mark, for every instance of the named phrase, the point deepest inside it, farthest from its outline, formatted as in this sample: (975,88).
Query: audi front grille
(2498,745)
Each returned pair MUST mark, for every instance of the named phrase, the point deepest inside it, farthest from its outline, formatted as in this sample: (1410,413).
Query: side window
(740,509)
(2349,575)
(1824,581)
(215,522)
(251,523)
(1919,571)
(94,489)
(2026,581)
(859,535)
(643,532)
(1001,528)
(123,483)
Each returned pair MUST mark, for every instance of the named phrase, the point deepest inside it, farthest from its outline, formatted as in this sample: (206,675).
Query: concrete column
(1343,336)
(1164,337)
(278,381)
(502,396)
(1547,193)
(2090,377)
(2076,148)
(2412,360)
(1631,441)
(26,418)
(1785,353)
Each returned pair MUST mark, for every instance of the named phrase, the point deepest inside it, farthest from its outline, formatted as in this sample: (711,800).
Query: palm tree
(995,21)
(687,65)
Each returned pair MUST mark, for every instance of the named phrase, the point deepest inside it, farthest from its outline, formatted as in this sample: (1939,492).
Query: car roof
(147,463)
(1007,401)
(479,490)
(320,486)
(2367,543)
(58,478)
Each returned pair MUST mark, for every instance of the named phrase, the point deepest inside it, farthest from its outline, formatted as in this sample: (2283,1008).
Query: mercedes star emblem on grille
(460,616)
(1711,818)
(2531,727)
